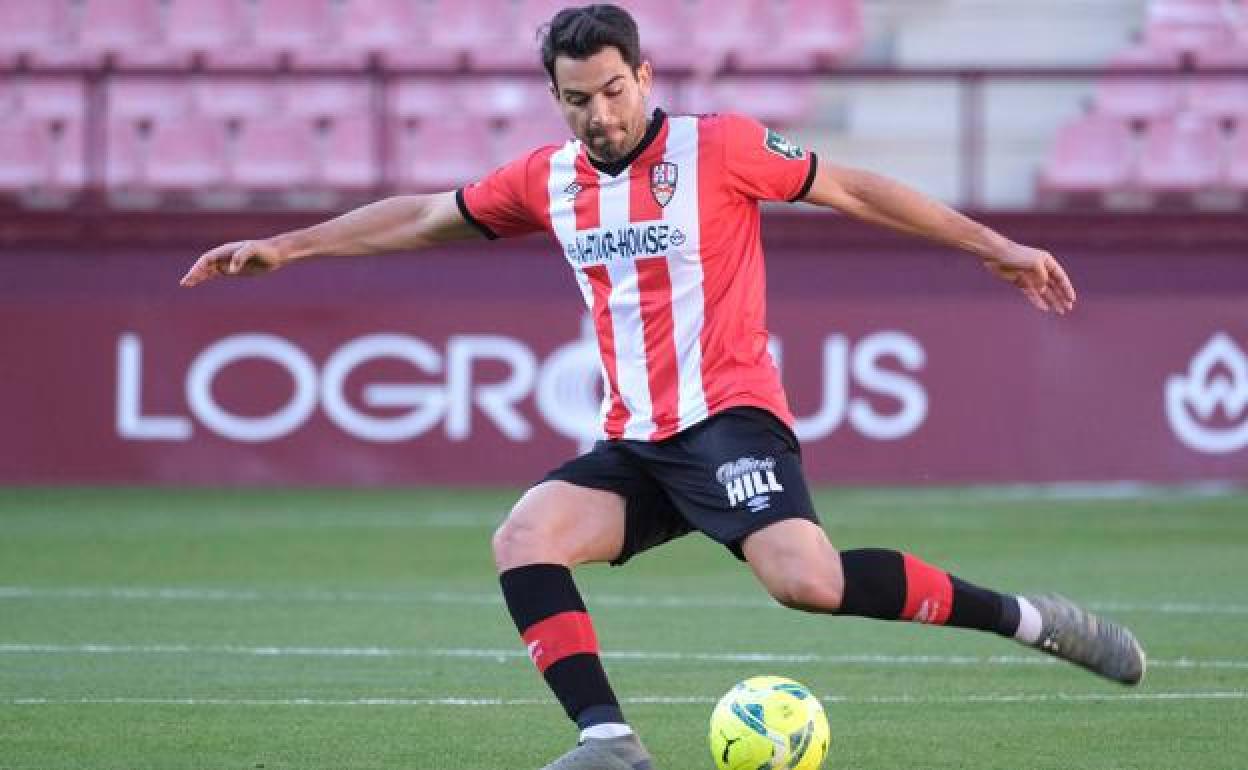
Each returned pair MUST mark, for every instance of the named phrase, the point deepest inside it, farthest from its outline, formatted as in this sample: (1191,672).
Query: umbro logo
(572,190)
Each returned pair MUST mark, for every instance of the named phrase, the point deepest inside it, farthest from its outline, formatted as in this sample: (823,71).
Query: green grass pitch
(332,629)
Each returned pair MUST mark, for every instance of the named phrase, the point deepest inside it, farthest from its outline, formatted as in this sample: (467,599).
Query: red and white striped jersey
(667,251)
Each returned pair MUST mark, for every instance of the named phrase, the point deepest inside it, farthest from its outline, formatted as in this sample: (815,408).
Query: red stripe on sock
(560,636)
(929,592)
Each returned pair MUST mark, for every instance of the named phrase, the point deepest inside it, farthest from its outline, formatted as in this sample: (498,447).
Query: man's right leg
(556,526)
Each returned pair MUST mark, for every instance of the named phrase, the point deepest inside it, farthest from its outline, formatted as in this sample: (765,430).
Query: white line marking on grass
(452,597)
(664,700)
(505,655)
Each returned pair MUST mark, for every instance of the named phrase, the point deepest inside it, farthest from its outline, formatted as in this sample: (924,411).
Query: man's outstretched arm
(400,223)
(878,200)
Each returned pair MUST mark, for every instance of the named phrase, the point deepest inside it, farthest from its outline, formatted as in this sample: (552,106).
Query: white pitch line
(665,700)
(452,597)
(504,655)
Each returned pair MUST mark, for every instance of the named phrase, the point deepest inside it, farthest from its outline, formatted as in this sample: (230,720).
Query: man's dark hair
(582,32)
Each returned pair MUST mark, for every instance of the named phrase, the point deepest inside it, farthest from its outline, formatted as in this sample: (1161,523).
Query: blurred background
(137,133)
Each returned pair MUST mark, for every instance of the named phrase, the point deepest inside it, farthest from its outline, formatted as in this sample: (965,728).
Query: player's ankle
(606,730)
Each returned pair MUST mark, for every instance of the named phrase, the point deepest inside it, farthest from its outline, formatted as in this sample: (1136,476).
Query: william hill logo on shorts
(751,481)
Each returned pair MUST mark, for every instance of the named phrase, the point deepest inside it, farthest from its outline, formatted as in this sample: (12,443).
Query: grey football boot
(622,753)
(1071,633)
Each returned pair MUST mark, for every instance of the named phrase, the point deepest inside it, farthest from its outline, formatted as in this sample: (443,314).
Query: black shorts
(727,477)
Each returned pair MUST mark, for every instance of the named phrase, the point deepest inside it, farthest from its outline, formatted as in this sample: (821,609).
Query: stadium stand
(244,62)
(1181,155)
(1185,131)
(1141,99)
(1092,156)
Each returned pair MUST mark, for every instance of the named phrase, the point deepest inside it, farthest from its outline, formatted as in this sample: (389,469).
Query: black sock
(552,620)
(891,585)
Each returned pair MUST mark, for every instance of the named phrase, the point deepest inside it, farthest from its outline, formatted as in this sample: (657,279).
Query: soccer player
(658,217)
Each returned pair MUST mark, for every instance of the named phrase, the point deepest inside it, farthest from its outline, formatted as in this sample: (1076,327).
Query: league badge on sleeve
(782,146)
(663,182)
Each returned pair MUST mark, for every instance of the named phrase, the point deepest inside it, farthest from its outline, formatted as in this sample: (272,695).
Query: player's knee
(524,538)
(514,543)
(811,592)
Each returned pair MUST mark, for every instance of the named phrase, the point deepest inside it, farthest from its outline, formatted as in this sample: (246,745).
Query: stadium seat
(186,155)
(276,153)
(723,28)
(39,153)
(328,97)
(520,137)
(442,155)
(346,154)
(279,30)
(1181,155)
(1141,98)
(59,98)
(1236,175)
(1225,96)
(782,102)
(32,28)
(196,28)
(664,28)
(803,33)
(148,98)
(397,31)
(505,98)
(238,98)
(1092,154)
(1187,25)
(130,32)
(483,32)
(421,98)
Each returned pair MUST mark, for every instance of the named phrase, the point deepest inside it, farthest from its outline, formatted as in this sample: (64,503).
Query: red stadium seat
(483,30)
(238,98)
(186,155)
(346,156)
(1187,25)
(1141,98)
(1092,154)
(129,31)
(804,33)
(421,99)
(720,29)
(1225,96)
(289,29)
(398,31)
(32,28)
(1181,155)
(40,153)
(148,98)
(328,97)
(442,155)
(504,98)
(196,28)
(520,137)
(59,98)
(276,153)
(1237,161)
(664,28)
(782,102)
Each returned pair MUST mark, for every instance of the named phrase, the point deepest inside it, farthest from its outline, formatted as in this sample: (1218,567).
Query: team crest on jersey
(663,178)
(782,146)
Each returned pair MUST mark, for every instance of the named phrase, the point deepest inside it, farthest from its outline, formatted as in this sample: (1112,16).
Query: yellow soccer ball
(769,723)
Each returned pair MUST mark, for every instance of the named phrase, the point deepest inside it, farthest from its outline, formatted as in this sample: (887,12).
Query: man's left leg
(800,568)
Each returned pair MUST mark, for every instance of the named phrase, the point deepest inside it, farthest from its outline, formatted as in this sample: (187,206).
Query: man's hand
(237,258)
(1037,274)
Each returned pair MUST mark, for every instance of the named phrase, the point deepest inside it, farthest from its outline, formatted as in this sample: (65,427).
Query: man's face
(603,101)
